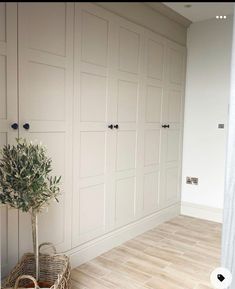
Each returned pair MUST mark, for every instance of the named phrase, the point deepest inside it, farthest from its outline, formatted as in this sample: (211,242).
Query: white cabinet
(154,98)
(45,45)
(38,92)
(96,89)
(133,78)
(8,116)
(92,138)
(172,136)
(127,67)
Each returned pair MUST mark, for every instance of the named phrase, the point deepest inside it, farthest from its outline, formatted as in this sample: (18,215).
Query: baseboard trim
(92,249)
(202,212)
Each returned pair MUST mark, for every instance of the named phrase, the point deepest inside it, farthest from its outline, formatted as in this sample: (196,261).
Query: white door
(45,107)
(8,117)
(127,113)
(108,65)
(93,138)
(154,80)
(173,117)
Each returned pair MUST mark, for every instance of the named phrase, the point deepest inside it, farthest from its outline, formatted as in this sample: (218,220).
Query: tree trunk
(34,220)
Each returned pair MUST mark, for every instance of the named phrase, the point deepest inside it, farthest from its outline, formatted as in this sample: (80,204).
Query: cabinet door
(155,58)
(92,137)
(173,116)
(127,103)
(8,116)
(45,103)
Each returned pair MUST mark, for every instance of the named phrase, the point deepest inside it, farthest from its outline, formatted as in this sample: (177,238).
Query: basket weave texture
(54,269)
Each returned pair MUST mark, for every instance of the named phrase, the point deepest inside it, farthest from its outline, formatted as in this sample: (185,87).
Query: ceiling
(200,11)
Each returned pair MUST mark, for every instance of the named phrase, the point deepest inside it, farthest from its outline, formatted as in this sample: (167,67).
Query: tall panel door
(108,67)
(154,76)
(8,116)
(127,97)
(93,138)
(45,107)
(173,116)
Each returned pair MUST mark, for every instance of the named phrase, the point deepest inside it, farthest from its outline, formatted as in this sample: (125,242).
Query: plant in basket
(26,184)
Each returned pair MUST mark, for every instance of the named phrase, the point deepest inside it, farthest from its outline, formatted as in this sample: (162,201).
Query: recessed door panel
(126,150)
(127,101)
(92,154)
(129,50)
(174,105)
(93,97)
(155,59)
(3,139)
(125,201)
(172,185)
(94,39)
(4,239)
(151,192)
(92,211)
(153,104)
(45,100)
(175,66)
(3,95)
(173,139)
(47,27)
(152,147)
(2,21)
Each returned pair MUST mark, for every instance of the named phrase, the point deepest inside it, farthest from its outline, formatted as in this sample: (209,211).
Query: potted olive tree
(26,183)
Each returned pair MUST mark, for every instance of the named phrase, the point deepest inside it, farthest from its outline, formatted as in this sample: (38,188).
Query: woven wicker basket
(54,269)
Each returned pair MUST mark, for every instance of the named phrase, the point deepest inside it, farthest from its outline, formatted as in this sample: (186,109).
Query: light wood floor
(179,254)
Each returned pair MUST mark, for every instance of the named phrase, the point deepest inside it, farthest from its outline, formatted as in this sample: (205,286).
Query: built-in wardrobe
(106,97)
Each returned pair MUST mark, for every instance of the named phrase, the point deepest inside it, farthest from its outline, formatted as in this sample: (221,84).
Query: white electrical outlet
(191,180)
(188,181)
(194,180)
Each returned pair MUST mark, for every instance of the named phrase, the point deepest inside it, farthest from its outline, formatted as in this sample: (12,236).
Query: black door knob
(165,125)
(26,126)
(15,125)
(116,126)
(110,126)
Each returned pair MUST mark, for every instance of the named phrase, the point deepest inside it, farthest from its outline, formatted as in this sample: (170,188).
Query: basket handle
(26,277)
(47,244)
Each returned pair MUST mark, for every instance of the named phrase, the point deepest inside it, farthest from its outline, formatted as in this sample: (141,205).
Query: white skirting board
(94,248)
(202,212)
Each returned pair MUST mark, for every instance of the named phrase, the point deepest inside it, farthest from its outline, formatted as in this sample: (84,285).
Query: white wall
(206,105)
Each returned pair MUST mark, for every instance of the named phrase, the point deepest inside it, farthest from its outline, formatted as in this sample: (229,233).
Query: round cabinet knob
(110,126)
(26,126)
(116,126)
(15,125)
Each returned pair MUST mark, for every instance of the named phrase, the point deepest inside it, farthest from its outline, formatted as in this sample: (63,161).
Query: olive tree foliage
(25,177)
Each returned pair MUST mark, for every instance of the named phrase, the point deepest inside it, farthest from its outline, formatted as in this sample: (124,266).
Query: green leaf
(26,182)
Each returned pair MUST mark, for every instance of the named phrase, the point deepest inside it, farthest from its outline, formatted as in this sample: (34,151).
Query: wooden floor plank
(179,254)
